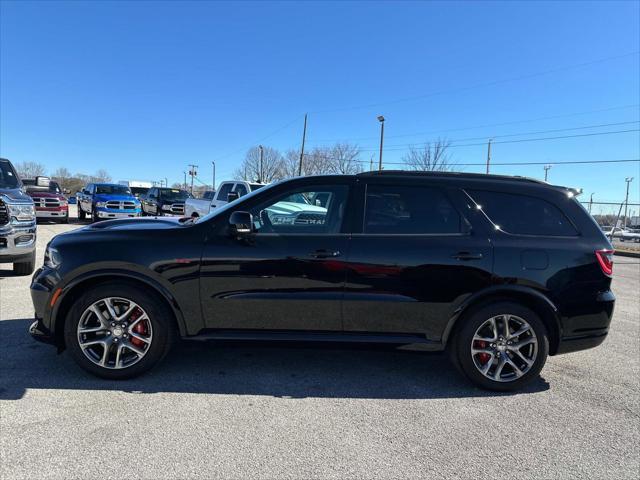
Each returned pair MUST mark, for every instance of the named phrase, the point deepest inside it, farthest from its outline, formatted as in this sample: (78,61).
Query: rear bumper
(590,328)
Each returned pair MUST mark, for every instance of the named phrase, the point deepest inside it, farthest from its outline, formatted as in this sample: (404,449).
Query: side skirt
(405,342)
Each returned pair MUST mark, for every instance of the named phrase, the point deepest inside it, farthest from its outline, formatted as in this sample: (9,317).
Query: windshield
(173,194)
(113,190)
(137,191)
(255,186)
(8,177)
(53,188)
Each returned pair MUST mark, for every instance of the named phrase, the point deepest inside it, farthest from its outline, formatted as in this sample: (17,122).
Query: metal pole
(591,201)
(304,135)
(193,173)
(546,171)
(261,155)
(626,200)
(381,120)
(185,180)
(489,154)
(214,175)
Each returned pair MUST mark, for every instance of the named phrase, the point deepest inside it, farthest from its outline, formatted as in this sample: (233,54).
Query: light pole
(381,120)
(591,201)
(626,200)
(546,171)
(261,155)
(185,180)
(214,175)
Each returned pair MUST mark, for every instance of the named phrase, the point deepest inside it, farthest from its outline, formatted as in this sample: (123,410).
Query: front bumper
(61,213)
(112,213)
(17,241)
(43,284)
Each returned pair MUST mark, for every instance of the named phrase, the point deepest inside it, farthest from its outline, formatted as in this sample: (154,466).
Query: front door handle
(325,254)
(467,256)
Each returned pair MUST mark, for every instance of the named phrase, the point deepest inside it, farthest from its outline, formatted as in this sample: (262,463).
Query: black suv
(164,201)
(498,271)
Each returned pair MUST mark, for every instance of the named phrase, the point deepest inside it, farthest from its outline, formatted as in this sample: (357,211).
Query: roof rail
(451,175)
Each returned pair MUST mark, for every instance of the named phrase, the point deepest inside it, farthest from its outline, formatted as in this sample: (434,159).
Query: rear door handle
(325,254)
(467,256)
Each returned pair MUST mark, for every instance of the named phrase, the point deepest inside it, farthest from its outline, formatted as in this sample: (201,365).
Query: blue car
(102,201)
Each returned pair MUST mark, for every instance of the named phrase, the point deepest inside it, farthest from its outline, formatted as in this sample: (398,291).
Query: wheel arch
(528,297)
(78,286)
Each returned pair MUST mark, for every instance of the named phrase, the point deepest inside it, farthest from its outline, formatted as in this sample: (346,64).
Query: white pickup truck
(199,207)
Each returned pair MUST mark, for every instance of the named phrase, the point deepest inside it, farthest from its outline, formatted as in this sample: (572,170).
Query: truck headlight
(101,204)
(52,257)
(166,207)
(22,212)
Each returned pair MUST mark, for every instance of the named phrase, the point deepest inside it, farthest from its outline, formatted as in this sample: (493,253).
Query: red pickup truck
(49,201)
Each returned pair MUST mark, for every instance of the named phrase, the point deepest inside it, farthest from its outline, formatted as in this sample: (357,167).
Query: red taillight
(605,259)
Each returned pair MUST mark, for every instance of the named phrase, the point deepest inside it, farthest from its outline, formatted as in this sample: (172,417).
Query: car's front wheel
(501,346)
(118,331)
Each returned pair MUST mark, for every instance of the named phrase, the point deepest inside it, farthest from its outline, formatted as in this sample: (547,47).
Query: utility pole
(489,154)
(213,184)
(381,120)
(546,171)
(626,200)
(193,172)
(185,180)
(304,135)
(591,201)
(261,156)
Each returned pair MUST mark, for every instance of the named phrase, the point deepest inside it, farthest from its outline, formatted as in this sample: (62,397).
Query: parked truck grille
(4,214)
(116,205)
(46,202)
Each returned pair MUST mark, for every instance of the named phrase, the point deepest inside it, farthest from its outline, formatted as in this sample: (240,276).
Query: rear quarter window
(523,214)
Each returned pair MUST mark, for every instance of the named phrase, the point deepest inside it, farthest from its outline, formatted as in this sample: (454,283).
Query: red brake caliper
(483,357)
(141,328)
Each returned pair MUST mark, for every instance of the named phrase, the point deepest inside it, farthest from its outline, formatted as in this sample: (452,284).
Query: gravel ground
(269,411)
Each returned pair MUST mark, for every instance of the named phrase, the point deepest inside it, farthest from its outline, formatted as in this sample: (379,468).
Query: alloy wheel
(114,333)
(504,348)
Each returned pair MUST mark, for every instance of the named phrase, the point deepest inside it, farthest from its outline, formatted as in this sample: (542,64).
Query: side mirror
(241,223)
(232,196)
(43,181)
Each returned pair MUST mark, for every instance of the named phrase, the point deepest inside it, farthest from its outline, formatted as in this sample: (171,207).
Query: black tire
(462,341)
(94,215)
(65,219)
(27,267)
(81,214)
(160,317)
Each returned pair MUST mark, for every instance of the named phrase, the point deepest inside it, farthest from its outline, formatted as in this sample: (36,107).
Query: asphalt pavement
(271,411)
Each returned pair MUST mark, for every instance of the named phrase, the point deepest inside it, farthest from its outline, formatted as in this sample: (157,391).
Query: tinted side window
(522,214)
(224,191)
(409,209)
(241,190)
(294,212)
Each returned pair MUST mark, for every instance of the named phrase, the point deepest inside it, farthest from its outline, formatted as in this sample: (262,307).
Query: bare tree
(345,159)
(265,171)
(102,176)
(30,169)
(430,157)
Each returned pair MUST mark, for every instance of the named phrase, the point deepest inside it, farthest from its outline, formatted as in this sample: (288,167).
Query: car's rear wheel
(118,331)
(501,346)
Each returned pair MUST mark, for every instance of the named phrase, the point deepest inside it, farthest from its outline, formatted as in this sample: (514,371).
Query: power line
(517,134)
(480,85)
(261,139)
(526,139)
(514,122)
(548,162)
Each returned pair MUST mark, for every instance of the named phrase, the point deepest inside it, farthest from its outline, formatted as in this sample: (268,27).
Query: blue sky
(144,88)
